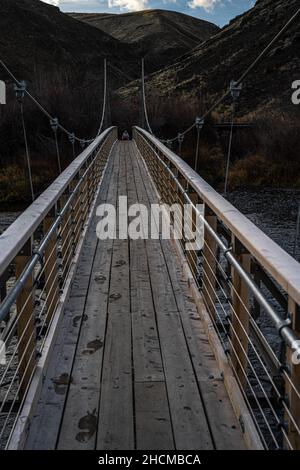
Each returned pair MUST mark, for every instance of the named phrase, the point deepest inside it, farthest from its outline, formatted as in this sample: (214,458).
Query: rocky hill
(38,40)
(158,35)
(207,71)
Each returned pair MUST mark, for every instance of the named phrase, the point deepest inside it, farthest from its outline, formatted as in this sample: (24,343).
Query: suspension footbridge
(144,342)
(124,343)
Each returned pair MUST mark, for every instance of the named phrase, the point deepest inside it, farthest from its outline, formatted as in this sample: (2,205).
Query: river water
(273,211)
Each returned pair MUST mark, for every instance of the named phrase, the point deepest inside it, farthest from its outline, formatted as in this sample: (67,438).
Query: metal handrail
(14,237)
(281,266)
(227,314)
(9,300)
(282,326)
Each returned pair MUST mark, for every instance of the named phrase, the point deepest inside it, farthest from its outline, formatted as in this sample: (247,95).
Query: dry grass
(273,154)
(76,108)
(267,155)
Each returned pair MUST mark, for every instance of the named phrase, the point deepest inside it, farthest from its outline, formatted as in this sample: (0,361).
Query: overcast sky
(216,11)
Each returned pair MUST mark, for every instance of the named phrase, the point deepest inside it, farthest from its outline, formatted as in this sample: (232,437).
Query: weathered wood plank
(153,422)
(146,348)
(79,424)
(191,430)
(223,423)
(45,426)
(116,422)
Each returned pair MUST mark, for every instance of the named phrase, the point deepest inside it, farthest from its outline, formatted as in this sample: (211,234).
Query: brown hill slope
(205,73)
(158,35)
(37,40)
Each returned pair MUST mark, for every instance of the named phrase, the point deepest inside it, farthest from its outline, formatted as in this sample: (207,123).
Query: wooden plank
(46,423)
(51,270)
(223,423)
(26,332)
(240,315)
(191,430)
(116,424)
(292,387)
(79,424)
(209,264)
(153,422)
(146,348)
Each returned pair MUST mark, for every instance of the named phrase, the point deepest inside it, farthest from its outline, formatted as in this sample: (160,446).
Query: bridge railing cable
(51,118)
(104,100)
(248,293)
(145,111)
(37,259)
(243,76)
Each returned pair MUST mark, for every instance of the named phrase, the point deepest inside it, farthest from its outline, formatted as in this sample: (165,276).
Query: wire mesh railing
(37,255)
(251,290)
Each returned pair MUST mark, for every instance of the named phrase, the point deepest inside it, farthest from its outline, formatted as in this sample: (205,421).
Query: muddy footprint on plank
(61,383)
(115,296)
(88,424)
(99,278)
(93,346)
(120,263)
(77,319)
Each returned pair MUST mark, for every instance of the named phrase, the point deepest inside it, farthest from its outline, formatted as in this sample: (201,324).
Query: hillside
(62,61)
(158,35)
(37,40)
(204,73)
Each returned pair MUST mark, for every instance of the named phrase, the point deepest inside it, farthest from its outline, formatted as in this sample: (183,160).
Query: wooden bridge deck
(131,366)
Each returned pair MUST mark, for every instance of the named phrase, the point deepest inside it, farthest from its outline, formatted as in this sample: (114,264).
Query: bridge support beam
(209,263)
(26,331)
(51,269)
(239,327)
(292,386)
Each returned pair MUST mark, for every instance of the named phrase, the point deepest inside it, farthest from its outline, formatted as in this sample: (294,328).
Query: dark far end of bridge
(137,348)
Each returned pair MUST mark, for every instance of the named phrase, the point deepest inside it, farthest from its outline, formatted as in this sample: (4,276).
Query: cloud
(208,5)
(52,2)
(58,3)
(129,5)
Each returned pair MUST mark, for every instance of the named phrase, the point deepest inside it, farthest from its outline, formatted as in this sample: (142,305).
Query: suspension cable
(104,99)
(41,107)
(235,90)
(246,72)
(54,127)
(144,98)
(199,123)
(20,92)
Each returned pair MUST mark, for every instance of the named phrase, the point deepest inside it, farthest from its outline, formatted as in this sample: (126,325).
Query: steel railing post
(239,324)
(26,328)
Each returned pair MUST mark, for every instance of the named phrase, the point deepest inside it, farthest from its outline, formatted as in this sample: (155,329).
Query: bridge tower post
(209,263)
(26,330)
(51,268)
(292,391)
(239,328)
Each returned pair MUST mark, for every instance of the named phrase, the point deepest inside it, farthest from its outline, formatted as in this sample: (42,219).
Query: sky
(219,12)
